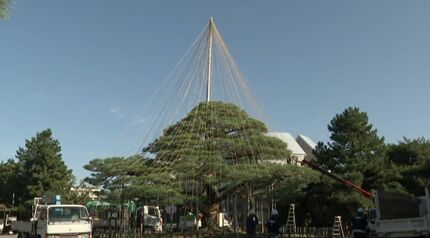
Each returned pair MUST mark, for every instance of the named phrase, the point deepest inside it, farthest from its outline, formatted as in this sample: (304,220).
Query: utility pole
(209,75)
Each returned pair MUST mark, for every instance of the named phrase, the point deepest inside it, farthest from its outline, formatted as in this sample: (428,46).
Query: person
(359,224)
(274,226)
(251,224)
(199,220)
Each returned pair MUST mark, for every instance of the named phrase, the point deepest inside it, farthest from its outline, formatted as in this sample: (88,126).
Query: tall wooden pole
(209,75)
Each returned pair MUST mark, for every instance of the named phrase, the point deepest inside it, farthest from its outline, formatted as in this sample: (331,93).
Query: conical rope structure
(200,141)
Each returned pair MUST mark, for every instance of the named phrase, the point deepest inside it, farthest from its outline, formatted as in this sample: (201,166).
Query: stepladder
(337,231)
(291,220)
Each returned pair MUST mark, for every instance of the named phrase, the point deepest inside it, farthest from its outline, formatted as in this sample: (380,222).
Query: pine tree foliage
(118,178)
(8,181)
(216,149)
(41,168)
(357,152)
(412,159)
(4,8)
(213,153)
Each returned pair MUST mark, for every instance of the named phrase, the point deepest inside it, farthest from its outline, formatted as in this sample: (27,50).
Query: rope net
(203,149)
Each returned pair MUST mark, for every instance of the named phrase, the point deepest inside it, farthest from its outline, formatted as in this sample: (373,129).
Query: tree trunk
(211,208)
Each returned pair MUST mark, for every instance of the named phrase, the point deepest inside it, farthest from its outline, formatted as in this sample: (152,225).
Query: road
(8,236)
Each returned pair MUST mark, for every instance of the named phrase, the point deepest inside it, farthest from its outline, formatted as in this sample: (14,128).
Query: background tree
(8,181)
(41,168)
(412,159)
(4,8)
(356,153)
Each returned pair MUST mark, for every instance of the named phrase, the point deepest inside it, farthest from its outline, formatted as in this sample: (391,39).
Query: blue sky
(84,68)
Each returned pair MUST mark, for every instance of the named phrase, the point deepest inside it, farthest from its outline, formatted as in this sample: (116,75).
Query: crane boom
(316,166)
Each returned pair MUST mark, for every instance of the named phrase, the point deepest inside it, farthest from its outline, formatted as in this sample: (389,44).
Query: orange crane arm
(357,188)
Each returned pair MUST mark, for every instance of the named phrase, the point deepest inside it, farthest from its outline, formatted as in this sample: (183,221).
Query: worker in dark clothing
(251,224)
(359,224)
(274,226)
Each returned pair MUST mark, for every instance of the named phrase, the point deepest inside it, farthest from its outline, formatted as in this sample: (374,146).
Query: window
(57,214)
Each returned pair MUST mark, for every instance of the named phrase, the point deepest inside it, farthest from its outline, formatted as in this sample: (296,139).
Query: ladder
(337,228)
(291,220)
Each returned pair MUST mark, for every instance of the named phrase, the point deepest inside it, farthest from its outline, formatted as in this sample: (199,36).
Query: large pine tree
(215,151)
(356,153)
(41,169)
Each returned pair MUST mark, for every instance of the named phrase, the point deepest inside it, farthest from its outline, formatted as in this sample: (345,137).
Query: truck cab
(149,219)
(55,221)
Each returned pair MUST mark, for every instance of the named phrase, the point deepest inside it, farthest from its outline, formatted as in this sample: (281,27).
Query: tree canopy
(412,159)
(217,148)
(214,152)
(4,8)
(41,169)
(8,181)
(356,153)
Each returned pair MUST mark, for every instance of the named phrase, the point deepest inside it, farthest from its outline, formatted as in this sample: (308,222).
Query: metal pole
(209,76)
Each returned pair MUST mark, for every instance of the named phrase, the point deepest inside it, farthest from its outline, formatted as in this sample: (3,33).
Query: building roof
(308,141)
(293,146)
(307,145)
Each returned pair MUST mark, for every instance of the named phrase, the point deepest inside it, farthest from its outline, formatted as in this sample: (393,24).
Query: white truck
(55,221)
(152,221)
(191,223)
(402,216)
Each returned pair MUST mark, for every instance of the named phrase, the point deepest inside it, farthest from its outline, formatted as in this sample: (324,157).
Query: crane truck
(395,215)
(399,215)
(55,221)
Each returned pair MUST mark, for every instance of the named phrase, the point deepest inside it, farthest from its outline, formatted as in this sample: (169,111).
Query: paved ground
(8,236)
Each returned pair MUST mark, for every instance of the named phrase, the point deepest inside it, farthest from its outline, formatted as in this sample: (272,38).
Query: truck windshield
(57,214)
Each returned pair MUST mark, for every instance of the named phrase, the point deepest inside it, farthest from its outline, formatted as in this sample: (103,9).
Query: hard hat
(275,212)
(360,210)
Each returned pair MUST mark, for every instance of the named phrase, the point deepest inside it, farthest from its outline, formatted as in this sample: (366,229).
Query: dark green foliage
(111,173)
(41,170)
(217,149)
(412,158)
(215,152)
(355,153)
(120,179)
(8,181)
(4,8)
(326,199)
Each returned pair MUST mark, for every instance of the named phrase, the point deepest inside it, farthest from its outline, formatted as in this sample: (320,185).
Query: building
(302,147)
(307,145)
(93,193)
(297,153)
